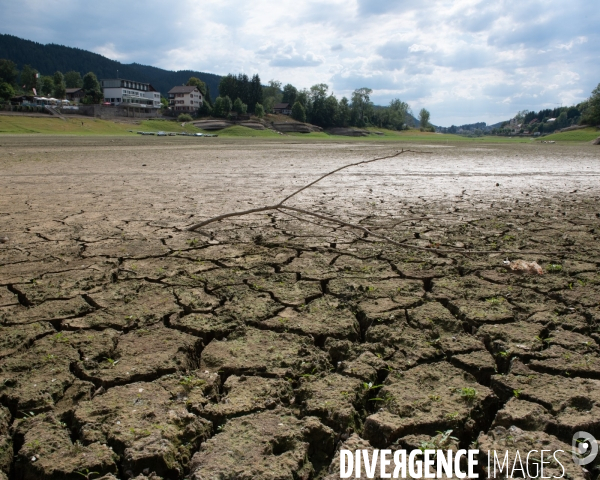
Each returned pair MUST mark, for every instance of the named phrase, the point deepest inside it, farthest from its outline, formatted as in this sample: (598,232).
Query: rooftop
(183,89)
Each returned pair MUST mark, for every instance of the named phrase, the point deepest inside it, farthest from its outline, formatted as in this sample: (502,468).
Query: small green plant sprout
(187,382)
(221,427)
(192,242)
(387,399)
(554,268)
(503,354)
(444,438)
(111,361)
(85,473)
(468,393)
(495,300)
(27,414)
(452,416)
(60,337)
(309,375)
(369,386)
(543,340)
(517,393)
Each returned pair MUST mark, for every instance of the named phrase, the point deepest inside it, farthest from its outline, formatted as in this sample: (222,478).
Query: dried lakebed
(261,345)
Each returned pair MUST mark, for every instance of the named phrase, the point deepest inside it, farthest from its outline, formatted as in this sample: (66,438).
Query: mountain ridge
(50,57)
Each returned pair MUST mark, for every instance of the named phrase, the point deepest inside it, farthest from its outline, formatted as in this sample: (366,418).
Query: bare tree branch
(363,162)
(282,208)
(274,207)
(228,215)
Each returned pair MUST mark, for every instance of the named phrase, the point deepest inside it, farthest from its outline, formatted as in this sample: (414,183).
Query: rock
(596,142)
(524,267)
(212,124)
(349,132)
(296,127)
(253,125)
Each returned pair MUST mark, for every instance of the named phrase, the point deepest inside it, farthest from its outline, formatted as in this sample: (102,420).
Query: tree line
(14,82)
(550,120)
(241,94)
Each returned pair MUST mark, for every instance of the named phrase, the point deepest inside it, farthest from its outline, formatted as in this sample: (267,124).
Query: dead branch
(275,207)
(282,209)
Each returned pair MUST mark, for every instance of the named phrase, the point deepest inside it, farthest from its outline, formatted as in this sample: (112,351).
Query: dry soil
(255,348)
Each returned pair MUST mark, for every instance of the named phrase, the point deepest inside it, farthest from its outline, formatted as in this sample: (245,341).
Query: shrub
(259,110)
(184,117)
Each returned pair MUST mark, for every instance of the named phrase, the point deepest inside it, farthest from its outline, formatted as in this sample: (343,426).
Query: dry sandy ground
(259,346)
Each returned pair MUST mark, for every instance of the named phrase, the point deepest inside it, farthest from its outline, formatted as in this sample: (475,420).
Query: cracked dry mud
(258,347)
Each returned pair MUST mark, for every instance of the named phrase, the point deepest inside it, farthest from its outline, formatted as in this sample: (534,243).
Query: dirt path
(251,350)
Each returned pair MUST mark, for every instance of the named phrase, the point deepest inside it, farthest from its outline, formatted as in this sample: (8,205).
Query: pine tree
(59,85)
(298,112)
(91,86)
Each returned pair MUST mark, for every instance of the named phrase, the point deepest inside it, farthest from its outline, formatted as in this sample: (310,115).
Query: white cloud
(462,59)
(415,48)
(109,50)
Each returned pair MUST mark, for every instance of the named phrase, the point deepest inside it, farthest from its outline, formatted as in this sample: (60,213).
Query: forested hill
(49,58)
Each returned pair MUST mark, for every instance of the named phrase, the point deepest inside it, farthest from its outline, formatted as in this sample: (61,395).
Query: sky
(465,61)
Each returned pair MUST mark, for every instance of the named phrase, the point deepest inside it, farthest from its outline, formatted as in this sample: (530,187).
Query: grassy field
(239,131)
(583,135)
(13,124)
(92,126)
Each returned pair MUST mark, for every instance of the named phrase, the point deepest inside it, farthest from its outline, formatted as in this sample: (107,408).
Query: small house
(283,108)
(75,94)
